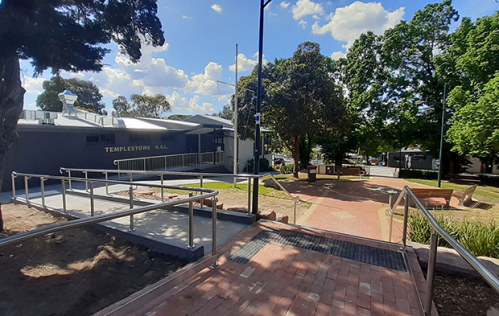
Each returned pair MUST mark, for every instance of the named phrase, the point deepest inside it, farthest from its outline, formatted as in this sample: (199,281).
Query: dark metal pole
(256,165)
(441,140)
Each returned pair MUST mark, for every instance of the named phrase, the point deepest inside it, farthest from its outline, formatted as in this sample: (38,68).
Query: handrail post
(92,209)
(165,163)
(162,190)
(130,194)
(294,211)
(86,182)
(107,185)
(63,184)
(69,181)
(13,187)
(42,188)
(191,222)
(201,186)
(249,195)
(214,226)
(430,272)
(26,192)
(390,212)
(406,213)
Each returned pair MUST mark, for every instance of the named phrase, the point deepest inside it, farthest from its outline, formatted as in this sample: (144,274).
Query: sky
(201,38)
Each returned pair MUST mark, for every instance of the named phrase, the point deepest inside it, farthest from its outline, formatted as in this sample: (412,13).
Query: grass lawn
(486,211)
(481,190)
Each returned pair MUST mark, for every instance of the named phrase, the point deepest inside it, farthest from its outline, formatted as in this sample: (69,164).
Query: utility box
(312,173)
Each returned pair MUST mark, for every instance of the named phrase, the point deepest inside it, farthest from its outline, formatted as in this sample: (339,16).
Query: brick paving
(280,280)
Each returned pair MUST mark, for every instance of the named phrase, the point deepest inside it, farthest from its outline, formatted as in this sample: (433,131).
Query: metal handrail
(485,273)
(101,218)
(116,161)
(200,175)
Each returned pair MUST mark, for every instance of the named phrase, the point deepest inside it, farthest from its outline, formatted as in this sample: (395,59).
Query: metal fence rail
(161,174)
(485,273)
(205,194)
(170,161)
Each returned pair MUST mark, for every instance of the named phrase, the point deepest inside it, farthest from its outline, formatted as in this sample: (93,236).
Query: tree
(471,64)
(302,100)
(179,117)
(65,35)
(475,124)
(141,106)
(89,96)
(226,113)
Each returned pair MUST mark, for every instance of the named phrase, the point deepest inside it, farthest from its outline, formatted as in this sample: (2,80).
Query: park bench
(431,193)
(465,197)
(351,172)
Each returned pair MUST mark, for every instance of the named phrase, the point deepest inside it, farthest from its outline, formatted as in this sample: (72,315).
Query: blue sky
(200,45)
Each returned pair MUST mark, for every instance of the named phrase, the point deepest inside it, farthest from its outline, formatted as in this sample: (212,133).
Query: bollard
(191,222)
(130,194)
(430,273)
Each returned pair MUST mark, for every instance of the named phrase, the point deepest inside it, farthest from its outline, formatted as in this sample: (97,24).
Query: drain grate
(340,248)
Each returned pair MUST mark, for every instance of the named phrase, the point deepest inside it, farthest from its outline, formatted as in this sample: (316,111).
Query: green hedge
(418,174)
(481,239)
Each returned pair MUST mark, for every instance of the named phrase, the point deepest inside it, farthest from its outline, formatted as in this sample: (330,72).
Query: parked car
(279,161)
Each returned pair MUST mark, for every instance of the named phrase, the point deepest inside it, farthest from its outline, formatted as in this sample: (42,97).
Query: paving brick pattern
(281,279)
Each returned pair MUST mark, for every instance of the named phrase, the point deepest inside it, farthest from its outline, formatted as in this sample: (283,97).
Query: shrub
(481,239)
(418,174)
(286,169)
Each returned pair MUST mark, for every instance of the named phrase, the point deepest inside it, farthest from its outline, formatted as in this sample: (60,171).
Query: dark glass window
(93,138)
(107,138)
(139,139)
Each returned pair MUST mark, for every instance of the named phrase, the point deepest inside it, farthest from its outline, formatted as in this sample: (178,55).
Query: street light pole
(256,165)
(441,139)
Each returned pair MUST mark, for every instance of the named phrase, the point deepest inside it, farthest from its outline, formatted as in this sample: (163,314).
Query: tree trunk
(11,106)
(296,156)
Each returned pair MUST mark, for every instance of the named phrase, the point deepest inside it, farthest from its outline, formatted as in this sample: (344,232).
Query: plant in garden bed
(481,239)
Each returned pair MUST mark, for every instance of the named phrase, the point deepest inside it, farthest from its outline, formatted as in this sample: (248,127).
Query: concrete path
(168,226)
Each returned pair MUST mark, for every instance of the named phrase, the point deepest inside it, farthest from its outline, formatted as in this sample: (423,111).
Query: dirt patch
(74,272)
(460,296)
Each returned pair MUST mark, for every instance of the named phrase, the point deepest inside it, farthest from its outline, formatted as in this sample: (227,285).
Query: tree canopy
(300,99)
(89,96)
(152,106)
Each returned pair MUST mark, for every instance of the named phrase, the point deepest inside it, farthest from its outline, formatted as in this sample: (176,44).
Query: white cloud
(306,7)
(206,83)
(303,24)
(217,8)
(348,23)
(205,107)
(186,17)
(224,99)
(177,101)
(338,55)
(243,63)
(285,4)
(33,85)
